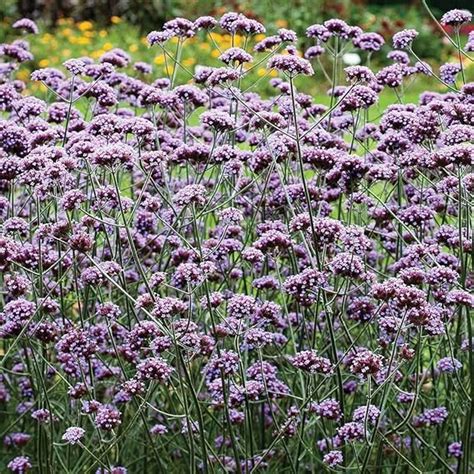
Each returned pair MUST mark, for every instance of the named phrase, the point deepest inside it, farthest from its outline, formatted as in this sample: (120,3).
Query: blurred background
(152,12)
(75,28)
(149,14)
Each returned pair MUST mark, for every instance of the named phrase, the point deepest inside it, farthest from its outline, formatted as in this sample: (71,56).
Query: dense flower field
(196,278)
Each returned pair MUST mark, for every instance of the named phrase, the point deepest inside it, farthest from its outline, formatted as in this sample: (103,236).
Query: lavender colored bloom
(359,74)
(73,434)
(456,17)
(348,265)
(369,42)
(291,65)
(455,449)
(461,297)
(351,432)
(205,23)
(107,418)
(109,155)
(338,28)
(193,193)
(219,121)
(448,365)
(235,55)
(366,363)
(431,417)
(360,97)
(400,57)
(309,361)
(20,465)
(370,413)
(158,37)
(329,408)
(27,25)
(154,369)
(314,51)
(180,27)
(75,66)
(470,42)
(404,39)
(158,430)
(333,458)
(18,440)
(390,76)
(304,285)
(19,52)
(112,470)
(220,76)
(143,67)
(319,32)
(448,72)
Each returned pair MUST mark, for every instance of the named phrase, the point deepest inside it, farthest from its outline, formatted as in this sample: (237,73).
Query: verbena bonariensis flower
(312,363)
(333,458)
(448,72)
(369,42)
(404,39)
(237,271)
(73,434)
(20,465)
(456,17)
(291,65)
(27,25)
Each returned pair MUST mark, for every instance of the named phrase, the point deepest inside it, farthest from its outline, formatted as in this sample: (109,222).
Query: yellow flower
(281,23)
(97,53)
(238,40)
(52,44)
(133,48)
(44,63)
(46,38)
(259,37)
(216,37)
(103,33)
(189,61)
(159,59)
(65,21)
(204,46)
(66,52)
(215,53)
(67,32)
(83,40)
(23,75)
(38,86)
(115,20)
(85,25)
(261,71)
(107,46)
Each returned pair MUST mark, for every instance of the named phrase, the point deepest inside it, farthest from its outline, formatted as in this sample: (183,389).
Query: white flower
(351,59)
